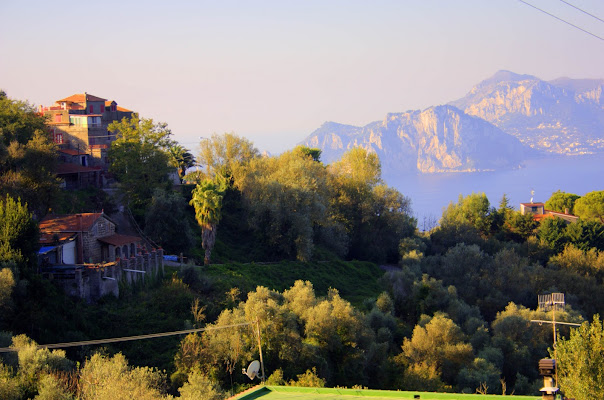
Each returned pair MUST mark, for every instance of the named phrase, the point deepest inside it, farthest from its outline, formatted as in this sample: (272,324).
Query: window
(91,109)
(58,138)
(58,117)
(84,162)
(102,108)
(113,107)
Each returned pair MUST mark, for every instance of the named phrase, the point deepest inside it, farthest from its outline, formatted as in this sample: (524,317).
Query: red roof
(119,240)
(46,238)
(68,168)
(81,98)
(123,109)
(54,223)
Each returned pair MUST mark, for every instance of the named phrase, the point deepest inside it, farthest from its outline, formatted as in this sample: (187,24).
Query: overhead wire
(562,20)
(123,339)
(583,11)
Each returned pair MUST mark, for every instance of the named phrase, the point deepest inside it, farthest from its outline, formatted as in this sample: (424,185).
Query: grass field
(299,393)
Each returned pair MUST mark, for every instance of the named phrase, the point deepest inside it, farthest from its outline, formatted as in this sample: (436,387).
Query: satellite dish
(252,369)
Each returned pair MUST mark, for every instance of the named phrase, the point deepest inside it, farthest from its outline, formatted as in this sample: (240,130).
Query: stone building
(79,123)
(85,238)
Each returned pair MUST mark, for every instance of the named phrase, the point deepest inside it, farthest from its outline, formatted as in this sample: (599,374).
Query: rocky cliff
(564,116)
(438,139)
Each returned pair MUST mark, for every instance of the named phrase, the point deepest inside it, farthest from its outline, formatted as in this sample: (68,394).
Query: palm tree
(180,158)
(207,201)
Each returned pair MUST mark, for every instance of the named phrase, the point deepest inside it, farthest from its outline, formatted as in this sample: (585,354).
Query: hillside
(438,139)
(564,116)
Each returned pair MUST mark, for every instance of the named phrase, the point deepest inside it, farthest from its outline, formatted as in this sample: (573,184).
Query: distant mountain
(438,139)
(564,116)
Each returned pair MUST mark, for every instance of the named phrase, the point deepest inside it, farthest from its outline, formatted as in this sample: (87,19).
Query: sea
(535,180)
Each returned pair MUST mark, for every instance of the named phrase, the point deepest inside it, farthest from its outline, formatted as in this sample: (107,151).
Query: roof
(81,98)
(68,168)
(50,237)
(119,240)
(308,393)
(109,102)
(532,204)
(53,223)
(123,109)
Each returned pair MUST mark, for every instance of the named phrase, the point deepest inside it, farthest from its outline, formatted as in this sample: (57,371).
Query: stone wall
(91,282)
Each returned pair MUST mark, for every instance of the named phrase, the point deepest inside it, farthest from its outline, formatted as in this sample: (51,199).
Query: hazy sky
(274,71)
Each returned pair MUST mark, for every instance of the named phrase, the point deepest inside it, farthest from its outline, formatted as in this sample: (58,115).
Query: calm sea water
(431,193)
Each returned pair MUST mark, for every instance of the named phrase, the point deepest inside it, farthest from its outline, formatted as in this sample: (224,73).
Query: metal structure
(551,302)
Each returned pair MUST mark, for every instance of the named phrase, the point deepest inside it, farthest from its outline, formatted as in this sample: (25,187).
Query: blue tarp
(46,249)
(171,258)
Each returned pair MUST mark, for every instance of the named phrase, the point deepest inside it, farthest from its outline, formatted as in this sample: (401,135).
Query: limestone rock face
(564,116)
(438,139)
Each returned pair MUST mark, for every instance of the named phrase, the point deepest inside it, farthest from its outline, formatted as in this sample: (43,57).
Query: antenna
(252,370)
(532,195)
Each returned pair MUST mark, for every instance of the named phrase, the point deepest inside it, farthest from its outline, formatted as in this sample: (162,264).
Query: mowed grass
(299,393)
(355,280)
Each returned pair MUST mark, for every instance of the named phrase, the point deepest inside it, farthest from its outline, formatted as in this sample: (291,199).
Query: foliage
(308,379)
(223,154)
(287,197)
(105,377)
(9,386)
(591,206)
(200,386)
(7,283)
(180,158)
(27,155)
(581,361)
(374,216)
(207,201)
(474,210)
(52,388)
(551,231)
(167,222)
(561,201)
(18,233)
(439,345)
(139,158)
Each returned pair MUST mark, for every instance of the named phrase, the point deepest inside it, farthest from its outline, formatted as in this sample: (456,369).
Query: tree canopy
(139,158)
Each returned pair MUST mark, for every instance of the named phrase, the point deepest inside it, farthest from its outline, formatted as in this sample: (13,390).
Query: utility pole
(260,348)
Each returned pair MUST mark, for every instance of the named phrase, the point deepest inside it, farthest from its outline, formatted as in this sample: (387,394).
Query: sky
(274,71)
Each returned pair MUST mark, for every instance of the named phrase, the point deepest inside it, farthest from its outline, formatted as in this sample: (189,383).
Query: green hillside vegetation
(324,261)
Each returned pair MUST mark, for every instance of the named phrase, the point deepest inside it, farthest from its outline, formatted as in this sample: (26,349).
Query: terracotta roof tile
(46,238)
(53,223)
(81,98)
(123,109)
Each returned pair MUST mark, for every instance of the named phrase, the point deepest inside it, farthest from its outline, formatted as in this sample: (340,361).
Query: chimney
(566,211)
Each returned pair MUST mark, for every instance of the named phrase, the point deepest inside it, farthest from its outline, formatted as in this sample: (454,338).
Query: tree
(552,232)
(221,154)
(180,158)
(167,222)
(374,216)
(591,207)
(439,344)
(562,201)
(473,209)
(139,158)
(199,386)
(287,199)
(581,361)
(18,233)
(112,378)
(207,201)
(27,155)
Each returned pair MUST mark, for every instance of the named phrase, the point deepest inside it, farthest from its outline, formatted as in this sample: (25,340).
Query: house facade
(79,123)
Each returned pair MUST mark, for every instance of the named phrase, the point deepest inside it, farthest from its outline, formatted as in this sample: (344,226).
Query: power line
(563,20)
(583,11)
(123,339)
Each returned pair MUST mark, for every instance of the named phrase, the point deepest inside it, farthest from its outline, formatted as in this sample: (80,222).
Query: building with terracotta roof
(539,212)
(84,238)
(79,123)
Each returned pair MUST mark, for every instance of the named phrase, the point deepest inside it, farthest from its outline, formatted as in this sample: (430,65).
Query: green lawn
(294,393)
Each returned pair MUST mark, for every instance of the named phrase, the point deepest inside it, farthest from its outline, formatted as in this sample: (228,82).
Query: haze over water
(431,193)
